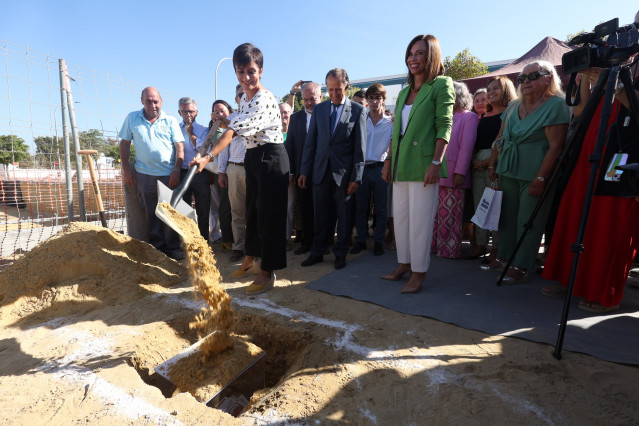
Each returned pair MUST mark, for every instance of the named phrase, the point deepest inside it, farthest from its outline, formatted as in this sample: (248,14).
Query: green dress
(525,142)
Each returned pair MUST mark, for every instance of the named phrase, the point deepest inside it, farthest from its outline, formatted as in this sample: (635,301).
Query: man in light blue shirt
(159,154)
(200,189)
(379,131)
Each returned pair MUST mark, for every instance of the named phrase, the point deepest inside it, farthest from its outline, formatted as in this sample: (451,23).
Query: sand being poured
(217,315)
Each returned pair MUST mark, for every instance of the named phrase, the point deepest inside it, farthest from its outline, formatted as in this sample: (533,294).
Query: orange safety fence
(33,206)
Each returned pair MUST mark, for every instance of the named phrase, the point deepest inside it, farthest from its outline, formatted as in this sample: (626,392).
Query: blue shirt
(154,143)
(191,151)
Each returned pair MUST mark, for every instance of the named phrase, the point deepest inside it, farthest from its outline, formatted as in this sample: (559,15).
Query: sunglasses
(531,77)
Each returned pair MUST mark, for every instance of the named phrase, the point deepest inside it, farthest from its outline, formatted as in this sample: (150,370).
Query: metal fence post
(65,133)
(76,144)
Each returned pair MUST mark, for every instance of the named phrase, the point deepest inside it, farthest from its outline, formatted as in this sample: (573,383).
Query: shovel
(174,197)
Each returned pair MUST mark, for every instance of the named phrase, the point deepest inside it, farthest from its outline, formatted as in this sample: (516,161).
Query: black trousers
(200,190)
(332,201)
(267,175)
(305,199)
(224,211)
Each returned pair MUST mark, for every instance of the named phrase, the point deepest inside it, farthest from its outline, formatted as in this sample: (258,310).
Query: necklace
(533,108)
(415,89)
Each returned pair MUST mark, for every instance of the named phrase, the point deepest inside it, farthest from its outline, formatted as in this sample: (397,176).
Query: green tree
(464,65)
(570,36)
(13,149)
(297,104)
(51,149)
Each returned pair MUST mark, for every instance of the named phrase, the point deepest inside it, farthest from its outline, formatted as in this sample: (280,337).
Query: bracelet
(388,159)
(292,93)
(176,170)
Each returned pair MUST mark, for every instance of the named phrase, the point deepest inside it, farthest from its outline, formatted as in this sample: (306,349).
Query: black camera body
(618,47)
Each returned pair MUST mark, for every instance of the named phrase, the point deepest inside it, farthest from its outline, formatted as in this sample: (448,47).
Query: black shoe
(358,247)
(340,262)
(302,250)
(312,260)
(176,254)
(237,255)
(378,250)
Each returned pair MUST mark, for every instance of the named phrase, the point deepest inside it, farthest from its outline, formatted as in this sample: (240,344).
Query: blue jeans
(372,182)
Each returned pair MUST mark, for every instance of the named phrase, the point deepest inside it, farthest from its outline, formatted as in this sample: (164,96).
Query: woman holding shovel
(267,169)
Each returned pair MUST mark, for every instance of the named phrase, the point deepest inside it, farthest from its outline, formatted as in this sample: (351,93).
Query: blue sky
(176,46)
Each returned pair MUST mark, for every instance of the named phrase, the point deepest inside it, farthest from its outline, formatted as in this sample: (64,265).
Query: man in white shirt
(379,131)
(231,175)
(296,135)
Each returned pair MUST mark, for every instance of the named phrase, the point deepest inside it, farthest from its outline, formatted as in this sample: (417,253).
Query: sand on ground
(87,315)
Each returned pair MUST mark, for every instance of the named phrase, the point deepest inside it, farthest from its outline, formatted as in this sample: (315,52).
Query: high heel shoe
(397,274)
(414,283)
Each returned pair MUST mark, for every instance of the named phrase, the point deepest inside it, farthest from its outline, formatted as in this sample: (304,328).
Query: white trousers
(414,211)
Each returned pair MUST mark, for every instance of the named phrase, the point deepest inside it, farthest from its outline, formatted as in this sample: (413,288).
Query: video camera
(599,51)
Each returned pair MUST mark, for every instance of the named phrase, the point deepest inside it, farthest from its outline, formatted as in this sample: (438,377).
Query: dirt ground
(87,316)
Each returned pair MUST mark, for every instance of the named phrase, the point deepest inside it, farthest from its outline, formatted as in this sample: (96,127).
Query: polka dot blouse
(258,121)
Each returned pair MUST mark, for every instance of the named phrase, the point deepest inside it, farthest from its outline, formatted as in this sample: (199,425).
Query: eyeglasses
(531,77)
(375,98)
(188,112)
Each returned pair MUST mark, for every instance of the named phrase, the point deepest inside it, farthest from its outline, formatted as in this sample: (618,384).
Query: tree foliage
(13,149)
(464,65)
(298,104)
(51,149)
(570,36)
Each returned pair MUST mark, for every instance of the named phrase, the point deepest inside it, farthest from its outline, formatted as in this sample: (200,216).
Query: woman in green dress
(534,135)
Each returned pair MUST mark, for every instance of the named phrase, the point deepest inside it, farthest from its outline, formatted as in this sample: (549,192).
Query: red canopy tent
(549,49)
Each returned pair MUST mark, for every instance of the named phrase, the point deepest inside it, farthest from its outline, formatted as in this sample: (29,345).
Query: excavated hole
(283,345)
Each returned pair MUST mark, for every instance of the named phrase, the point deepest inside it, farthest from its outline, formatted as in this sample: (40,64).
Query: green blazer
(431,117)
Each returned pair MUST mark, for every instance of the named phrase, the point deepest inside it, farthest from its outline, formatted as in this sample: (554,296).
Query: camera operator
(612,232)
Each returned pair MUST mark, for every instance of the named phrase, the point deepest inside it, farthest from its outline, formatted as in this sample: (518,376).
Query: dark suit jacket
(344,151)
(295,139)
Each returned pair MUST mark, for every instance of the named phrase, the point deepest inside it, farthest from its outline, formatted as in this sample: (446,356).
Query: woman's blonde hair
(508,91)
(554,85)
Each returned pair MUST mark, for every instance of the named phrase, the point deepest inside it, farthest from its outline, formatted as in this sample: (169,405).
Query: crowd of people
(320,173)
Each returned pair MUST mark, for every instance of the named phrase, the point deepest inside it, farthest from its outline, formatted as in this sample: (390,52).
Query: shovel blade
(164,196)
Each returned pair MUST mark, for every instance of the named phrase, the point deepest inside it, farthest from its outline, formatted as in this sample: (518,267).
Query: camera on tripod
(599,51)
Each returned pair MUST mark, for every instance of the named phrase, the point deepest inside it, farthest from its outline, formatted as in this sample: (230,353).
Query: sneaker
(254,289)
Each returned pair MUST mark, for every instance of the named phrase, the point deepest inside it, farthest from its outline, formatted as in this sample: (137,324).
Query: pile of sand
(83,263)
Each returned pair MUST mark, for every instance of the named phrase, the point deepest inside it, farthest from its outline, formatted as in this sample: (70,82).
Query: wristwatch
(437,163)
(292,92)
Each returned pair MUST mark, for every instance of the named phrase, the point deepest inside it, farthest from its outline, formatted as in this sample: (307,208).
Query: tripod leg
(595,160)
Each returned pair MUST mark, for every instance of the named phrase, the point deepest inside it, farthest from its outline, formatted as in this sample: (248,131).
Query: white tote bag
(488,210)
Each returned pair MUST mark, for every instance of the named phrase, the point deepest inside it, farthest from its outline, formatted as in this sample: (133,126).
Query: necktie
(333,117)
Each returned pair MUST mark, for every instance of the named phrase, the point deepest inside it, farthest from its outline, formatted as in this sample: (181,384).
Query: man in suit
(297,129)
(334,157)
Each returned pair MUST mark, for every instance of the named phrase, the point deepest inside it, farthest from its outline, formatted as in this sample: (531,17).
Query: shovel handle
(181,189)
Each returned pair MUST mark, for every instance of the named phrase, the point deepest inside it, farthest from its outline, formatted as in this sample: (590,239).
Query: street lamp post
(216,68)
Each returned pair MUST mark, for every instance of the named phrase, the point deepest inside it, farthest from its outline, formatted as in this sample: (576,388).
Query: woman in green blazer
(423,121)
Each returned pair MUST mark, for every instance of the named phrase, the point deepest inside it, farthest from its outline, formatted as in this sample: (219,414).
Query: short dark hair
(376,89)
(360,94)
(246,53)
(340,74)
(223,102)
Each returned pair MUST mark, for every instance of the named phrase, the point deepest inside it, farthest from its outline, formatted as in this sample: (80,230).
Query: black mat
(457,292)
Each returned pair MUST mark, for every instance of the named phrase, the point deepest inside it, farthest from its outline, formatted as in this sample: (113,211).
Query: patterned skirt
(447,233)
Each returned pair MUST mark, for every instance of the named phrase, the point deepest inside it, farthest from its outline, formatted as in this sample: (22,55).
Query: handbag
(488,209)
(499,140)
